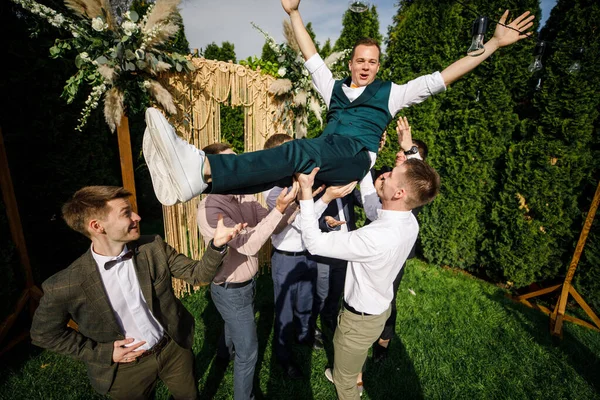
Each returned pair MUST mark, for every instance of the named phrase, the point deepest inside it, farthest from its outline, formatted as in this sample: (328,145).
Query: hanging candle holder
(358,6)
(477,34)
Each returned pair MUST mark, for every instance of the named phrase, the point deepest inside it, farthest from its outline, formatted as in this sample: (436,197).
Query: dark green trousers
(341,160)
(173,365)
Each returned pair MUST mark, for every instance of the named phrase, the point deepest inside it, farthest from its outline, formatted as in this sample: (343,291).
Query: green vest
(365,118)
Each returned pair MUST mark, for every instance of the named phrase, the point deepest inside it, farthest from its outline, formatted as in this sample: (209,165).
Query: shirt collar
(101,260)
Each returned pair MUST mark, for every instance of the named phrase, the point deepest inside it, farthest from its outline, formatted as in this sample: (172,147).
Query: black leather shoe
(315,343)
(221,362)
(380,353)
(291,370)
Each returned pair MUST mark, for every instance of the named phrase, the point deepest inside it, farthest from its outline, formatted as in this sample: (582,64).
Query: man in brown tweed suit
(132,329)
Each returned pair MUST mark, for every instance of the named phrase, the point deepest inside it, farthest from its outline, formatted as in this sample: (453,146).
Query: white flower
(84,56)
(98,24)
(304,72)
(75,34)
(147,84)
(282,71)
(281,58)
(139,54)
(129,27)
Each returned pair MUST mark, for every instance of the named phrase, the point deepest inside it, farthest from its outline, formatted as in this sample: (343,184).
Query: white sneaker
(181,161)
(160,178)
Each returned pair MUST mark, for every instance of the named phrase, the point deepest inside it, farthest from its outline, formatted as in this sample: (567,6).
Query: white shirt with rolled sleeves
(375,254)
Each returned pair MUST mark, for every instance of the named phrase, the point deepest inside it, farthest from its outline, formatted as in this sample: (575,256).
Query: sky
(229,20)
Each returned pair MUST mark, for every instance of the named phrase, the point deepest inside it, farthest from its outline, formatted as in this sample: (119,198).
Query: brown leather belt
(157,348)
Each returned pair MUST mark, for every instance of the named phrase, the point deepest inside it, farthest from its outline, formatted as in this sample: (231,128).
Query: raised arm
(503,36)
(307,47)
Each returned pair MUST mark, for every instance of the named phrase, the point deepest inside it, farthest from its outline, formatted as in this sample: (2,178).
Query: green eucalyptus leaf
(101,60)
(133,16)
(129,66)
(141,64)
(178,67)
(54,51)
(129,55)
(78,62)
(124,39)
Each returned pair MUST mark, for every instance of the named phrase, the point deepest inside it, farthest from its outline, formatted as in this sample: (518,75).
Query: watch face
(413,150)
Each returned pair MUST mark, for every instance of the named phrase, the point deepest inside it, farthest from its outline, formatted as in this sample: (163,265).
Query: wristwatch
(412,150)
(219,249)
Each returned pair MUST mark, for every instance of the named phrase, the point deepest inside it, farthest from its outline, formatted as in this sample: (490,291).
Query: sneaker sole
(161,181)
(157,124)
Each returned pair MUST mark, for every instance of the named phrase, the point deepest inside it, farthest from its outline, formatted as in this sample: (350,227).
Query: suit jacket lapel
(142,270)
(94,290)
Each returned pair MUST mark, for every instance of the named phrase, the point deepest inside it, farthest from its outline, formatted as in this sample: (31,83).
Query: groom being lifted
(359,110)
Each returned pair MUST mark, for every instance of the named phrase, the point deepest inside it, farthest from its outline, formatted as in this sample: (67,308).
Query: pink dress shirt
(241,262)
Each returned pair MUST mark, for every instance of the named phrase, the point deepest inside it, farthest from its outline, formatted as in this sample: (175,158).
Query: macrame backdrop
(198,97)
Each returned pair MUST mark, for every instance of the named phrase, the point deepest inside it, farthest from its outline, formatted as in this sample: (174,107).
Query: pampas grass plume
(163,9)
(113,108)
(280,86)
(162,96)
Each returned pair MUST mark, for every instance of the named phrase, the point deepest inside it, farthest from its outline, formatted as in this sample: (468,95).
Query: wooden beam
(12,211)
(537,292)
(126,159)
(557,315)
(585,306)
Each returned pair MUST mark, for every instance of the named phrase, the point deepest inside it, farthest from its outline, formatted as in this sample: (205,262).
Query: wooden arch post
(558,315)
(31,294)
(125,155)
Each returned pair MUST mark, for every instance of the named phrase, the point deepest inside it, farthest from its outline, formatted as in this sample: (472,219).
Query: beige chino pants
(353,337)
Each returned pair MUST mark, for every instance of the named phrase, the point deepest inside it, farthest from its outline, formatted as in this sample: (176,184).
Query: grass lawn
(457,337)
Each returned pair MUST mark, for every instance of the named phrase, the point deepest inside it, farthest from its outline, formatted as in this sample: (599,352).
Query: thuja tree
(551,168)
(356,26)
(468,128)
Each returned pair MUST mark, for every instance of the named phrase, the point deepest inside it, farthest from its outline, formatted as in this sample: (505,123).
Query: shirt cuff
(316,62)
(307,208)
(436,83)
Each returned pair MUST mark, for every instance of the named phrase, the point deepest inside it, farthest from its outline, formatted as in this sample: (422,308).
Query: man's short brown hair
(90,203)
(216,148)
(276,140)
(365,42)
(423,180)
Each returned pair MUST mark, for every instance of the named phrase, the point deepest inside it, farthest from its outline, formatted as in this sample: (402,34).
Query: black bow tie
(127,256)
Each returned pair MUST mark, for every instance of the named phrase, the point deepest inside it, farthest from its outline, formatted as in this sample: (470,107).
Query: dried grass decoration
(116,54)
(293,90)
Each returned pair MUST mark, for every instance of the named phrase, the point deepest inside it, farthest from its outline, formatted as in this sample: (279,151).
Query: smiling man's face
(364,65)
(121,224)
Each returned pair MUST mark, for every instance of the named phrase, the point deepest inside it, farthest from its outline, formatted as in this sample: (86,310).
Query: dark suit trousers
(331,306)
(294,278)
(341,160)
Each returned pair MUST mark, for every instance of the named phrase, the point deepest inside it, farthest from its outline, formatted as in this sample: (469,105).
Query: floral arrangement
(293,89)
(115,54)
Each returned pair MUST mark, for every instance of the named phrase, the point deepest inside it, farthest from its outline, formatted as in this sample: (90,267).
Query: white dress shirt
(375,253)
(290,238)
(127,301)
